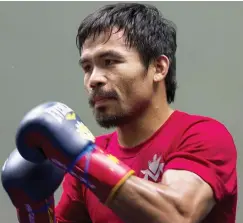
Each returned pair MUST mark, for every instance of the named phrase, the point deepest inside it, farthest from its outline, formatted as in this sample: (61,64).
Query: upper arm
(195,197)
(203,167)
(71,207)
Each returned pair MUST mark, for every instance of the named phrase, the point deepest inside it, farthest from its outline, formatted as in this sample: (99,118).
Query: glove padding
(30,187)
(66,141)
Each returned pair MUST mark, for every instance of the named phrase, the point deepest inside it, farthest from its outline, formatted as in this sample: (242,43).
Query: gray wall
(39,62)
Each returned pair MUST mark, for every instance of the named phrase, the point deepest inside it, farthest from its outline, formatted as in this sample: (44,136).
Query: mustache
(102,94)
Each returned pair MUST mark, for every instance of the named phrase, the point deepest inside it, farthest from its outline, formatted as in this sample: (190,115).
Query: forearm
(142,201)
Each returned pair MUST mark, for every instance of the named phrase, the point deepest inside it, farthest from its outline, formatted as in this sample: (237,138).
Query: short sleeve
(71,207)
(207,149)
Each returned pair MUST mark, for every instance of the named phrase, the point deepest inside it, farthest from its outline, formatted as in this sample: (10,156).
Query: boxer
(46,132)
(159,164)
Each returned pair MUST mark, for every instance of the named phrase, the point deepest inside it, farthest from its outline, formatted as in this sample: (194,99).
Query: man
(184,165)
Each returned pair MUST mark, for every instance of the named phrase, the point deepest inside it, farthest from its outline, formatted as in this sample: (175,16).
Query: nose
(97,79)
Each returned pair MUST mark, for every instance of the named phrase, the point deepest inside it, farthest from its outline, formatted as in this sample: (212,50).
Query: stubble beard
(120,118)
(110,121)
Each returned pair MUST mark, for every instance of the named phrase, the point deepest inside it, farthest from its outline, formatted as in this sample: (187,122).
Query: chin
(107,123)
(111,120)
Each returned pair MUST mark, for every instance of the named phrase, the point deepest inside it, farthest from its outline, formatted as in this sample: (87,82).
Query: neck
(144,126)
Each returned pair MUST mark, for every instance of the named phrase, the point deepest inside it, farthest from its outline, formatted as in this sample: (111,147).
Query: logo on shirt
(155,169)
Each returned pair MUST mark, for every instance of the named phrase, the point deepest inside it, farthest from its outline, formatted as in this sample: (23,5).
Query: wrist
(102,173)
(38,212)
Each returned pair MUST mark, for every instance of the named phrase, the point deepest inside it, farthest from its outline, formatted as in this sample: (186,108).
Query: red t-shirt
(190,142)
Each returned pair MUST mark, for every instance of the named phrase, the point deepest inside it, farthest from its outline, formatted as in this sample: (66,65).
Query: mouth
(99,101)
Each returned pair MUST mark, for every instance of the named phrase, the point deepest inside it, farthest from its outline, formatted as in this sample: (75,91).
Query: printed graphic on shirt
(155,169)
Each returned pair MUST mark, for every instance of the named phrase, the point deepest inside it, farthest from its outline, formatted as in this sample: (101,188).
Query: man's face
(119,85)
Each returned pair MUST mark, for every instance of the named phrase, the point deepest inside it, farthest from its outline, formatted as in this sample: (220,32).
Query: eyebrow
(108,53)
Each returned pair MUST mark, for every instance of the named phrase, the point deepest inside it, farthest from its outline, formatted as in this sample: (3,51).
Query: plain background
(39,62)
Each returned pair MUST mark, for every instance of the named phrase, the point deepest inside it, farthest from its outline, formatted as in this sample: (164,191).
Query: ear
(161,65)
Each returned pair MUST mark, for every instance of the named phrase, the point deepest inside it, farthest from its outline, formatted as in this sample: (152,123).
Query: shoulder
(199,124)
(207,135)
(206,148)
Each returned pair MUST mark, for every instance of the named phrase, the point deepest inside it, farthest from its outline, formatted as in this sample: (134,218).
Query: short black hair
(145,28)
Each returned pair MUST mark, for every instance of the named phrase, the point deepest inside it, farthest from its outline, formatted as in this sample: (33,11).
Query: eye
(109,62)
(87,68)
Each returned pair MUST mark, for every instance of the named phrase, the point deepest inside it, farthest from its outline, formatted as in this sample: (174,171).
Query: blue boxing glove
(31,187)
(54,131)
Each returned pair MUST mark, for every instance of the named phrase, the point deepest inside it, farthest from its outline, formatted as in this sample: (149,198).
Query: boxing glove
(54,131)
(31,187)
